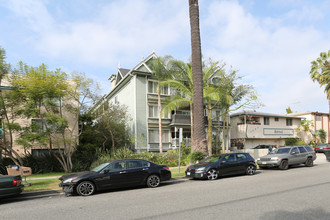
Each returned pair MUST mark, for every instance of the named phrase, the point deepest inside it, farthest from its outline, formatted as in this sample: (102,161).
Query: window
(266,120)
(152,88)
(241,157)
(134,164)
(302,149)
(154,136)
(37,125)
(289,122)
(117,166)
(294,150)
(318,117)
(153,112)
(116,100)
(276,119)
(229,158)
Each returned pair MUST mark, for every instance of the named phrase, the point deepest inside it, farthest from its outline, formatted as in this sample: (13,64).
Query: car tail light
(326,148)
(16,182)
(166,168)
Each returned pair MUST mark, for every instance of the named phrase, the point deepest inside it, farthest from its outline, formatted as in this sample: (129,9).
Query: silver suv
(284,156)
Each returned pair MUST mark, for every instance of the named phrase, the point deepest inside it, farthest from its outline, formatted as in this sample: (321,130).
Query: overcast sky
(271,42)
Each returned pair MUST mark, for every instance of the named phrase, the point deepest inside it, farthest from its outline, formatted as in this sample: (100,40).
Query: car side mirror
(293,153)
(105,171)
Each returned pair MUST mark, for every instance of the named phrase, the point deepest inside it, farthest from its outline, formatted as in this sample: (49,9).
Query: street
(297,193)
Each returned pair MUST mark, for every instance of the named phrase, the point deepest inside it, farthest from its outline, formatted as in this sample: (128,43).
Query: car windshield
(100,167)
(280,151)
(210,159)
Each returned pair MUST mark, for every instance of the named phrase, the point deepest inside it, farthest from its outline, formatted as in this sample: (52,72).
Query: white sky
(271,42)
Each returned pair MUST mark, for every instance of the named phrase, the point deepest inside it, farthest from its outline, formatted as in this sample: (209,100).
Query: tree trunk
(191,125)
(199,141)
(160,120)
(209,129)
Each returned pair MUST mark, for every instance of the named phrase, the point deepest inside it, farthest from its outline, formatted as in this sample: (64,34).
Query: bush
(196,156)
(291,141)
(42,164)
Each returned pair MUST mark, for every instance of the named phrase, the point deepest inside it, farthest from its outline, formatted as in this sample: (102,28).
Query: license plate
(263,163)
(188,173)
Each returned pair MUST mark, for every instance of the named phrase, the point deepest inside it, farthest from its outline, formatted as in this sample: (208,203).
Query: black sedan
(221,165)
(115,174)
(10,185)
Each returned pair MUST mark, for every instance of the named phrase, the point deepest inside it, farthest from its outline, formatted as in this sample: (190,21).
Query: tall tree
(55,101)
(160,73)
(320,72)
(8,102)
(199,138)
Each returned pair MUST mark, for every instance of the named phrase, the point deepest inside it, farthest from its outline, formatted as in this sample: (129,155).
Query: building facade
(137,90)
(319,121)
(251,128)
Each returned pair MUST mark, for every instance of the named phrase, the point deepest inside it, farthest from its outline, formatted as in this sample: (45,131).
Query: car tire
(153,181)
(85,188)
(212,174)
(250,170)
(309,162)
(284,165)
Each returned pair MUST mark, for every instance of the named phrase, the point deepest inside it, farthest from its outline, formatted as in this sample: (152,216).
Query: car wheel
(309,162)
(212,174)
(284,165)
(250,170)
(85,188)
(153,181)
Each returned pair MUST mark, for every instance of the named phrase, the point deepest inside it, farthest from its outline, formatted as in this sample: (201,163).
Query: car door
(228,164)
(242,162)
(303,154)
(294,156)
(113,175)
(137,171)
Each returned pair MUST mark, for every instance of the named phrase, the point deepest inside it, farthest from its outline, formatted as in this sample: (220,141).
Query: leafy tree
(320,72)
(322,135)
(199,138)
(56,100)
(8,102)
(305,128)
(112,126)
(288,110)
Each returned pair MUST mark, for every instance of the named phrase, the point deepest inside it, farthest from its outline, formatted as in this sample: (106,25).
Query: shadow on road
(309,214)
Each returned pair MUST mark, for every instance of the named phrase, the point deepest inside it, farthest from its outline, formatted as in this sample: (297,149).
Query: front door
(115,175)
(228,164)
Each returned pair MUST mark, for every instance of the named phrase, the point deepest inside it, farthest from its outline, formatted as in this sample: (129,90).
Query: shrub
(196,156)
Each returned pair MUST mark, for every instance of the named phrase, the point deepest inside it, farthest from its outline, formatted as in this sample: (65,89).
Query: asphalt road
(298,193)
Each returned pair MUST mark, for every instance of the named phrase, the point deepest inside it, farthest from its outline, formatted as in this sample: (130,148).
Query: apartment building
(251,128)
(319,120)
(137,90)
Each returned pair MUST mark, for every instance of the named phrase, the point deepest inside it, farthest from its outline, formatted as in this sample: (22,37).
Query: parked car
(115,174)
(265,146)
(322,147)
(283,157)
(221,165)
(10,185)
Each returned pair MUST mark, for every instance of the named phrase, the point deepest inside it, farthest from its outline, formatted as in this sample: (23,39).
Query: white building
(251,128)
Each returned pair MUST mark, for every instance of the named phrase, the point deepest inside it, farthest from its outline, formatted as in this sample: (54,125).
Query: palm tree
(160,73)
(320,72)
(199,139)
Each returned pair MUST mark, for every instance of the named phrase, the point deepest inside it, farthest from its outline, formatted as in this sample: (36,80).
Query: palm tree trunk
(209,129)
(199,141)
(160,120)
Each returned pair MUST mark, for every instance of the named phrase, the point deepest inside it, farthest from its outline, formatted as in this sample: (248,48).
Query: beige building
(71,132)
(320,121)
(251,128)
